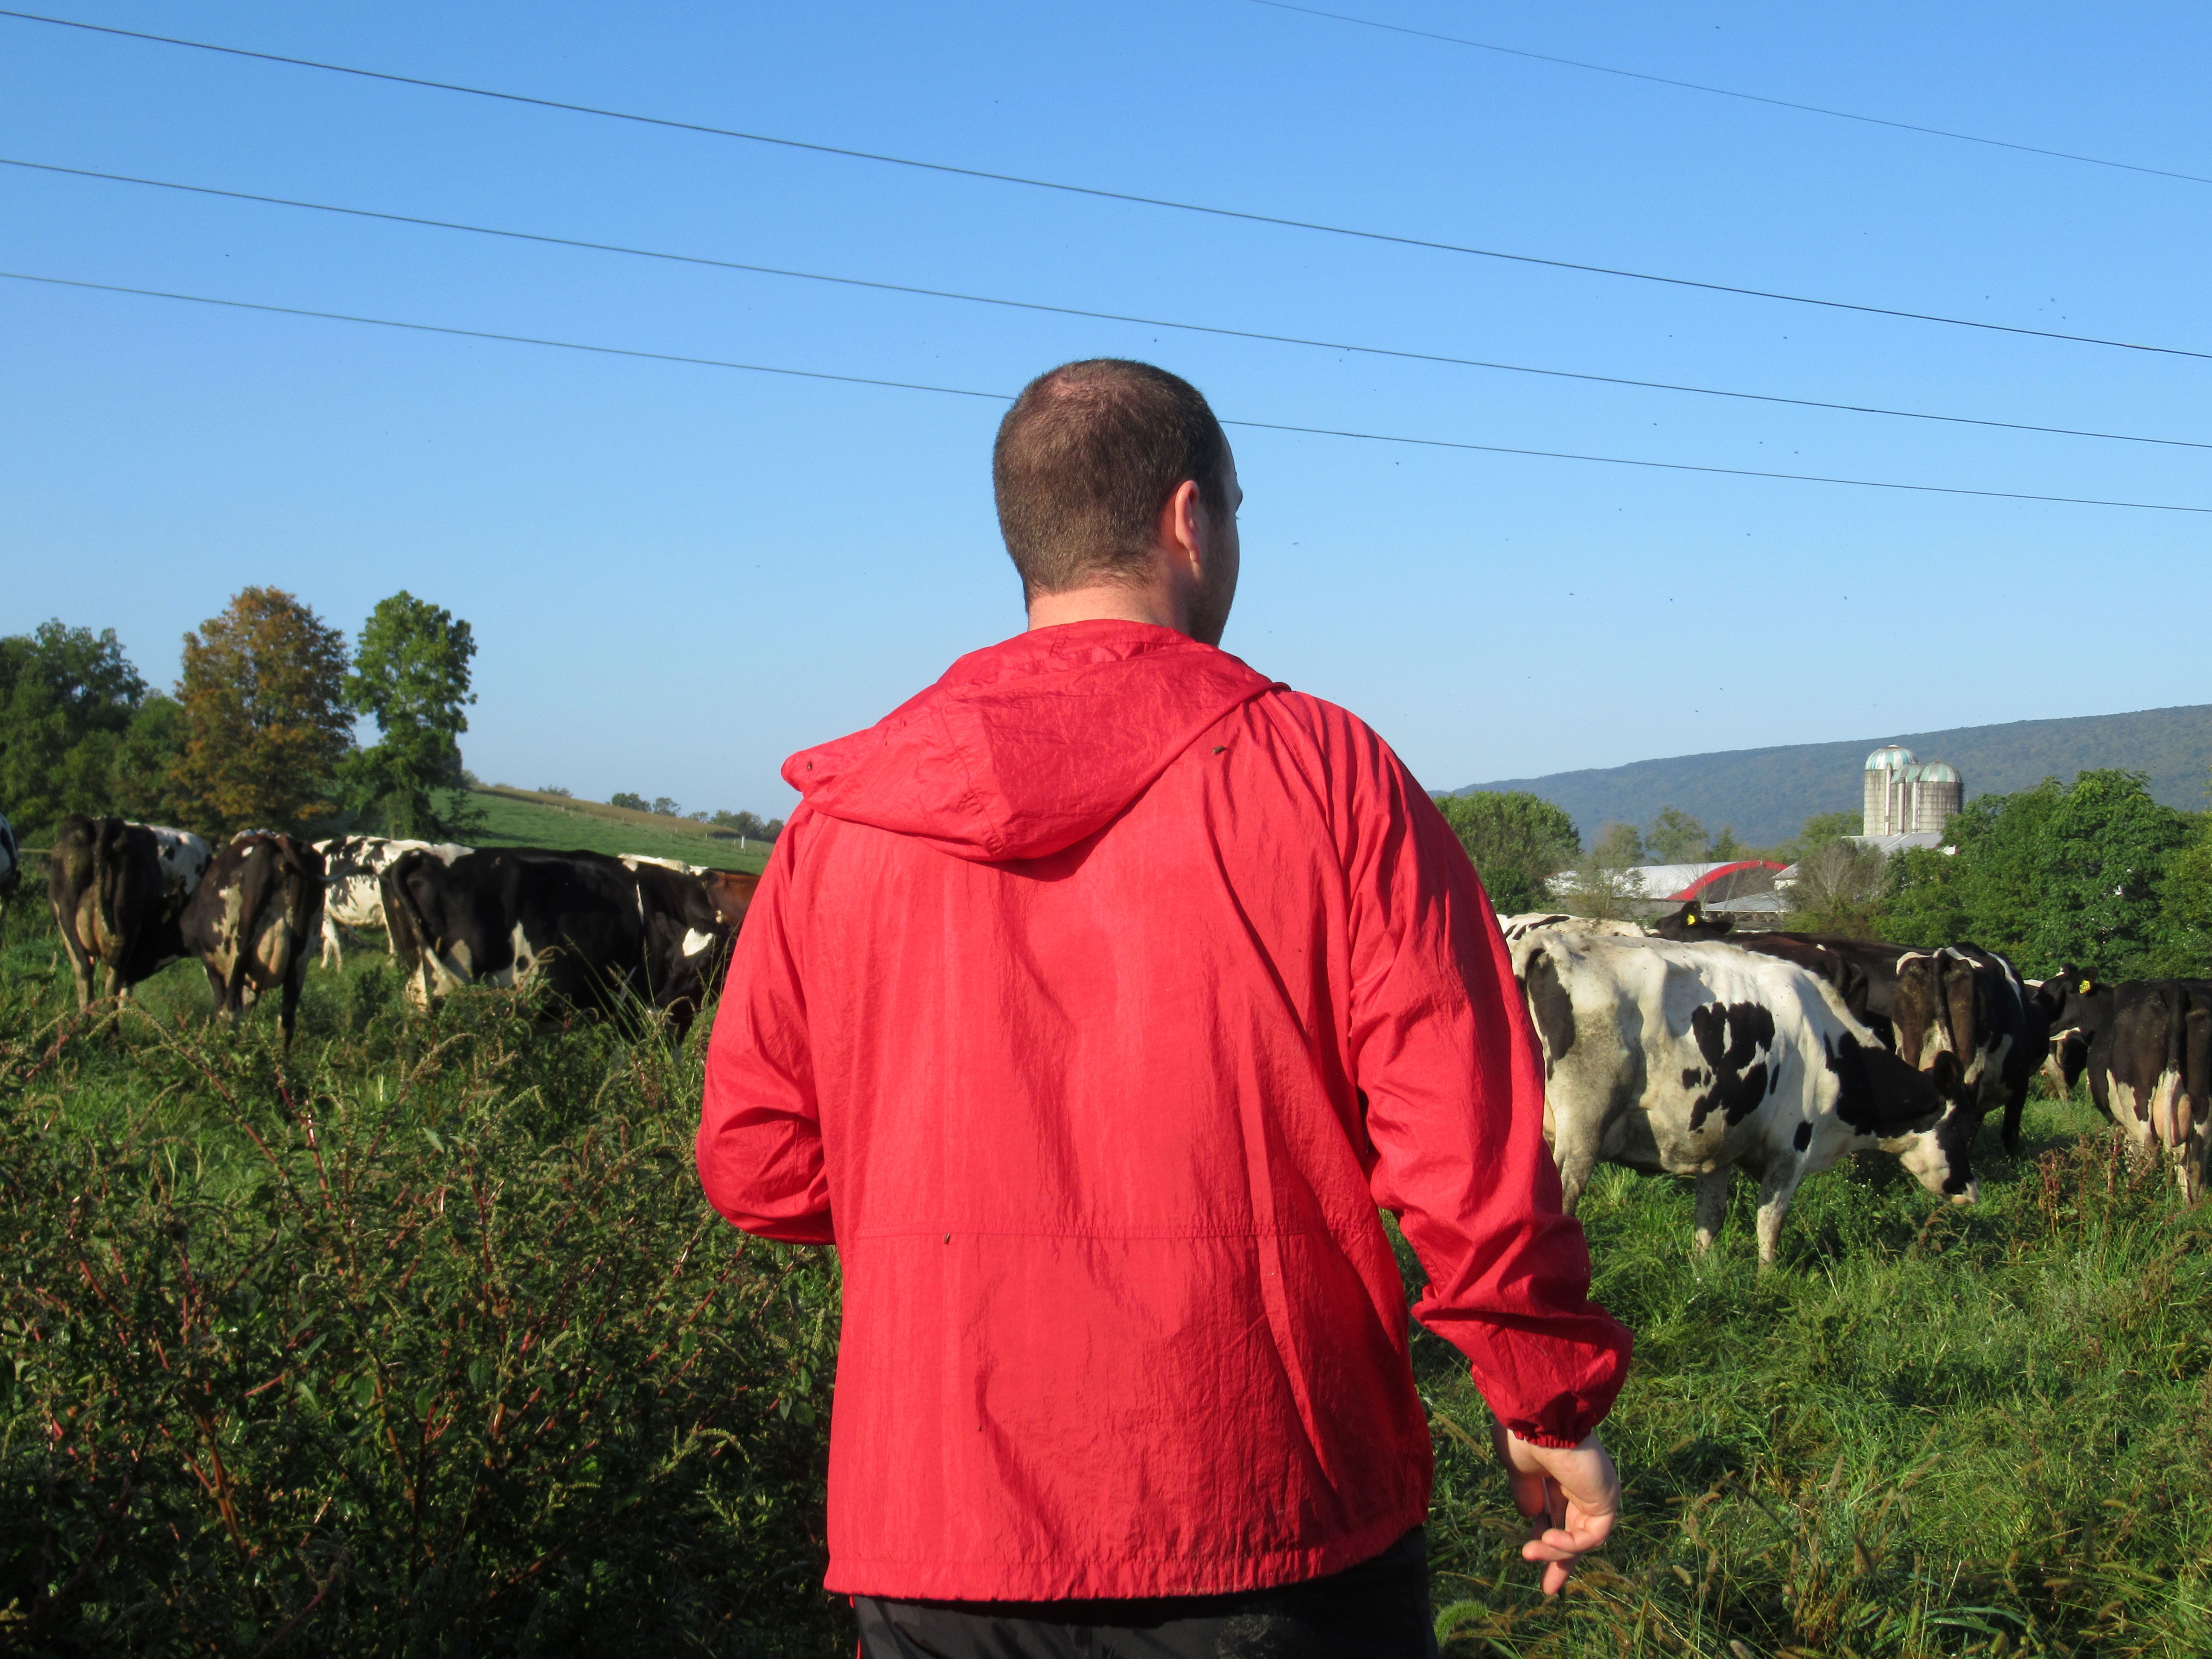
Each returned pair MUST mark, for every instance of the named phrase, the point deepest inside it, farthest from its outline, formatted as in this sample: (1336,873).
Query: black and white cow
(11,864)
(106,886)
(353,883)
(1693,1059)
(253,923)
(1961,1000)
(509,916)
(2150,1065)
(2075,1003)
(688,936)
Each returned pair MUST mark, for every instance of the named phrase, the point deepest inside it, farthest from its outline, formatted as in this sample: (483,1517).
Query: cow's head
(1692,922)
(1913,1113)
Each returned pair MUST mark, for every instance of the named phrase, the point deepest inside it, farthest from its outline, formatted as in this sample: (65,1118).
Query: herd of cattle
(1695,1050)
(606,933)
(1690,1049)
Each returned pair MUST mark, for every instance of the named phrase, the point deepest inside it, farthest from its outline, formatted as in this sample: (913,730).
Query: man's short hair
(1085,459)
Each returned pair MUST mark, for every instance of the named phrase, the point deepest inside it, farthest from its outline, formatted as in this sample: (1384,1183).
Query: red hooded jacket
(1091,1003)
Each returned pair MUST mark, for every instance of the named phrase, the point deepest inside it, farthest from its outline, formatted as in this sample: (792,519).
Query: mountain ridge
(1766,794)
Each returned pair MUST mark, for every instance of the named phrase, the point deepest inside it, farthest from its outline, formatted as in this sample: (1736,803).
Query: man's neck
(1108,602)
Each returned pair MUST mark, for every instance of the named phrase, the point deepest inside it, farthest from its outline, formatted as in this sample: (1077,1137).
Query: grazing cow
(1961,1000)
(509,916)
(105,883)
(688,934)
(2010,1038)
(1675,1057)
(11,865)
(353,884)
(253,923)
(1520,926)
(2150,1070)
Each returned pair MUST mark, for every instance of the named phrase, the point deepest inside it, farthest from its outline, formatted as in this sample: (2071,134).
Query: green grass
(521,817)
(350,1275)
(1931,1431)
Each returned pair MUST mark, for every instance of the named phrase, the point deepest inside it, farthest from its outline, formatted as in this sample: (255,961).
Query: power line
(1101,194)
(1747,97)
(1096,316)
(1001,397)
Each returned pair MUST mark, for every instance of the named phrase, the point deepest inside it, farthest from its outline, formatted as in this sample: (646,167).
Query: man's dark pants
(1378,1609)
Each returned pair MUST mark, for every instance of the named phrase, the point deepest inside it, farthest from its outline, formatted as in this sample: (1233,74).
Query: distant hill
(531,817)
(1766,794)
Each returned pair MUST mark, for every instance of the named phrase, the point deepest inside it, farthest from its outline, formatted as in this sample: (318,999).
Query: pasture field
(513,817)
(422,1342)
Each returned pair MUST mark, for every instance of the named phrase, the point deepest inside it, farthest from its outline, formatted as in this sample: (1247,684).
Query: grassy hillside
(527,817)
(1768,793)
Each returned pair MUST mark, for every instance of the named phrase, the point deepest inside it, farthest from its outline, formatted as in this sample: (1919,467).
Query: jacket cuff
(1536,1437)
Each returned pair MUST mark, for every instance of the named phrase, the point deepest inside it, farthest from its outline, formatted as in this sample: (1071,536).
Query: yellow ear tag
(1689,921)
(2085,987)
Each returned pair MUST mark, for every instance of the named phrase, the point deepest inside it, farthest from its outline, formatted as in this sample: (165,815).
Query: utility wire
(1101,194)
(1730,92)
(1096,316)
(1005,397)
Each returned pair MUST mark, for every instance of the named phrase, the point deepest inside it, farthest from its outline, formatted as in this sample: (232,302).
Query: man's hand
(1570,1496)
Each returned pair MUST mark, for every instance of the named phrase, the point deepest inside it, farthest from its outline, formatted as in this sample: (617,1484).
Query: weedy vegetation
(422,1342)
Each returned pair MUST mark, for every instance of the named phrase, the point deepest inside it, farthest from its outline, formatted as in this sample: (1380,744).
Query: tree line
(749,825)
(2095,872)
(258,731)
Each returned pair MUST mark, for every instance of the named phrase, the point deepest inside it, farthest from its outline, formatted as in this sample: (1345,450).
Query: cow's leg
(1776,1188)
(1712,1204)
(333,957)
(80,962)
(295,972)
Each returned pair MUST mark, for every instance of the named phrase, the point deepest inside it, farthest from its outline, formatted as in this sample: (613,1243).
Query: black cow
(509,916)
(2149,1064)
(254,921)
(105,883)
(688,935)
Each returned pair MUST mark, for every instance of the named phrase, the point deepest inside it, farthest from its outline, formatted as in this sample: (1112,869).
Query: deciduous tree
(1675,837)
(1516,840)
(411,675)
(264,713)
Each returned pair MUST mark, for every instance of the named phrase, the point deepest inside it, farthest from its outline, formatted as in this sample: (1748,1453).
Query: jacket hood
(1026,747)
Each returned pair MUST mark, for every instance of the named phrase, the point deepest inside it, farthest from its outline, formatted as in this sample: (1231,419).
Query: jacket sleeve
(760,1134)
(1443,1055)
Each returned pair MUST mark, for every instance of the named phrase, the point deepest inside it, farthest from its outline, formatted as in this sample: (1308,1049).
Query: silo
(1883,807)
(1938,794)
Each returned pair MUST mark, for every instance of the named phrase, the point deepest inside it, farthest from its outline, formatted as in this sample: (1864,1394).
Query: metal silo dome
(1889,759)
(1939,772)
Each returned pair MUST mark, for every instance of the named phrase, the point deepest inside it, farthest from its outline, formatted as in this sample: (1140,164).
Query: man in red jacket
(1092,1003)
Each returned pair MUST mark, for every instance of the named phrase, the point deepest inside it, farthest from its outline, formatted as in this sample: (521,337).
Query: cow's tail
(404,922)
(301,892)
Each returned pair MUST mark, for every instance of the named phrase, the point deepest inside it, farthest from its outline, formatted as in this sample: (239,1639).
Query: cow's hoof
(1972,1195)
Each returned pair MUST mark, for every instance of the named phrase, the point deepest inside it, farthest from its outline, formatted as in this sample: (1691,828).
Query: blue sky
(677,575)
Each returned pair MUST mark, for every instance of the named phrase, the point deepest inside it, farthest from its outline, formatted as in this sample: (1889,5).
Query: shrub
(428,1346)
